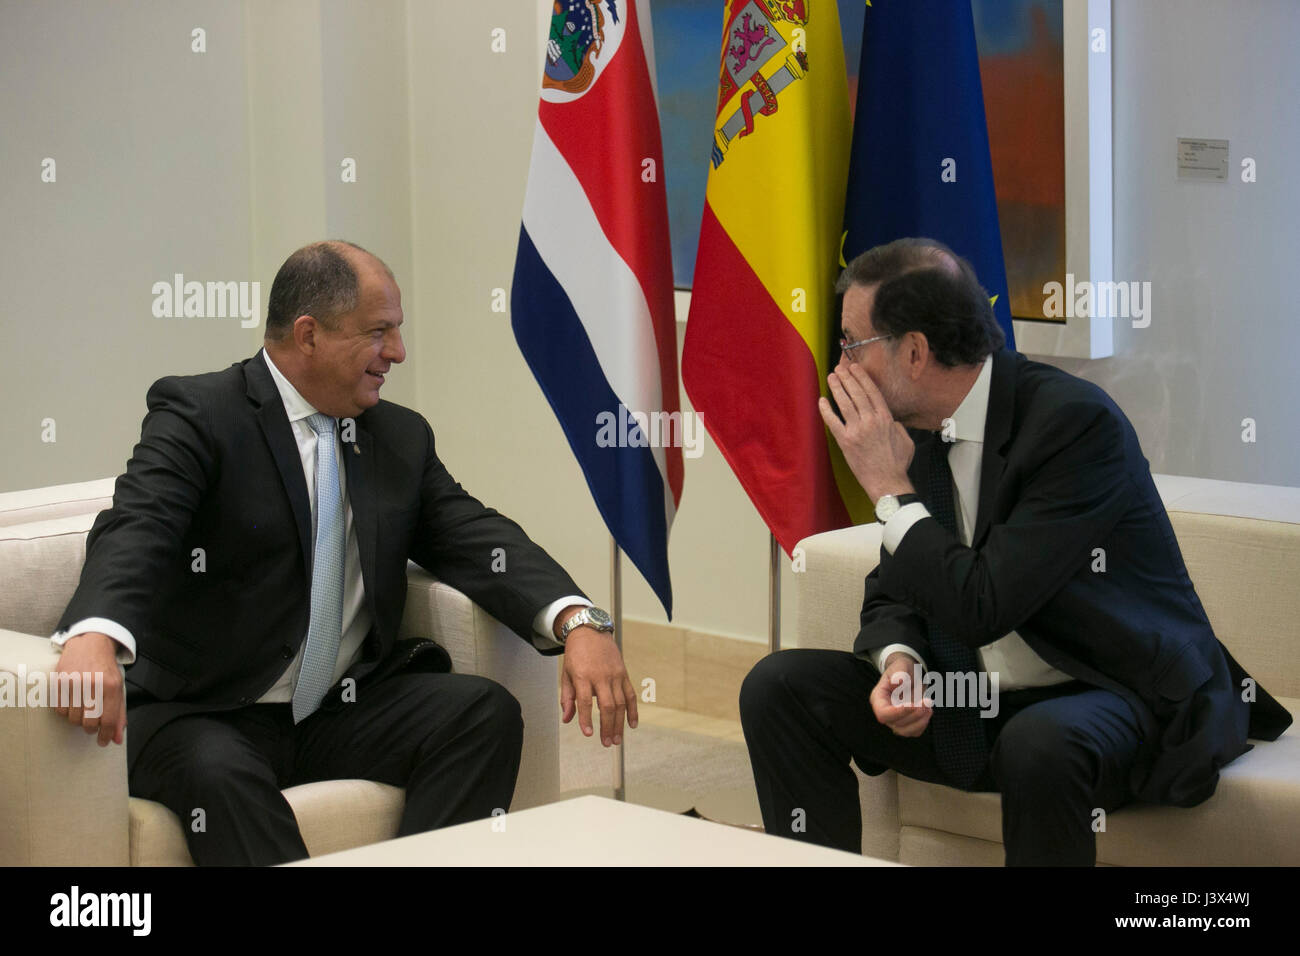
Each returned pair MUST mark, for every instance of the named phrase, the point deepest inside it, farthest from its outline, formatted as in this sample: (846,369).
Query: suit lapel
(997,430)
(284,447)
(359,463)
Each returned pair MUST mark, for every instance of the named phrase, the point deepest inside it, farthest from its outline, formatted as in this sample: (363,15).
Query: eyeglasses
(847,347)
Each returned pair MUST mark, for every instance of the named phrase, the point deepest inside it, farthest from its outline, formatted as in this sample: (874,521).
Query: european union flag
(920,163)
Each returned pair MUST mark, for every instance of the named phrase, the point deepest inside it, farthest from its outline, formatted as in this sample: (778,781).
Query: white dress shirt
(356,615)
(1014,661)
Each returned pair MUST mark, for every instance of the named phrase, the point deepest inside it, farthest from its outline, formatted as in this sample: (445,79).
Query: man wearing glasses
(999,482)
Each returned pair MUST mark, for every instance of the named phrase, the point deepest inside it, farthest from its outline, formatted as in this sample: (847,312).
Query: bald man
(275,660)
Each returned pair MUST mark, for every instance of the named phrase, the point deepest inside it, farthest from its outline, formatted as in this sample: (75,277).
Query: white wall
(216,165)
(1225,328)
(151,154)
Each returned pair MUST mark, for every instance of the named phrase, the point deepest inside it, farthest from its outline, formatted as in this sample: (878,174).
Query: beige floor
(676,760)
(691,722)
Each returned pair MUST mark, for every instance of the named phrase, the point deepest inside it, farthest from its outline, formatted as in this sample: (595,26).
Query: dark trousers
(1057,755)
(452,740)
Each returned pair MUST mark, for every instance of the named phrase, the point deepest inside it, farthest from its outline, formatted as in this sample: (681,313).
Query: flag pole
(773,594)
(616,598)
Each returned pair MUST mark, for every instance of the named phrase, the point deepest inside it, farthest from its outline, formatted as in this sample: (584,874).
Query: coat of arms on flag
(760,36)
(585,35)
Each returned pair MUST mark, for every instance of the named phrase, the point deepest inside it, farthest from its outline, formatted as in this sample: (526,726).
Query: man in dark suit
(1027,564)
(251,574)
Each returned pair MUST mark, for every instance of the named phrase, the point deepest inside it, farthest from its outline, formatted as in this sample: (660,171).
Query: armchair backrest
(40,565)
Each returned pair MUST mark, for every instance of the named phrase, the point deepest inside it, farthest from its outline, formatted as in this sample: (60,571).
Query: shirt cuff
(880,655)
(900,522)
(101,625)
(544,622)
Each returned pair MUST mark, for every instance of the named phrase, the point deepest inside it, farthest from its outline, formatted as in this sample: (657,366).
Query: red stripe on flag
(749,371)
(605,135)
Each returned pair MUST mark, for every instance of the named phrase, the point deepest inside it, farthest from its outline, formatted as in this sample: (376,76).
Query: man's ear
(916,353)
(304,334)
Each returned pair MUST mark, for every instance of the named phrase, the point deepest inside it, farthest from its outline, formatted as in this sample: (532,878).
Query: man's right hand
(911,717)
(93,654)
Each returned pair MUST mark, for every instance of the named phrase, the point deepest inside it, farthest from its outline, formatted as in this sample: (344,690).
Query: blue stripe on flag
(556,347)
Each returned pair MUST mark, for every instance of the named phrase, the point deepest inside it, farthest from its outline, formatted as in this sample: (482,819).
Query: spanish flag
(762,331)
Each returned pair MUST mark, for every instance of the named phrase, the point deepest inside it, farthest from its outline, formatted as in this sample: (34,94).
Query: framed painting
(1047,104)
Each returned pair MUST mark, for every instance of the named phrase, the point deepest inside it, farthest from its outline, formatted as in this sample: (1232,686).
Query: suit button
(245,701)
(286,651)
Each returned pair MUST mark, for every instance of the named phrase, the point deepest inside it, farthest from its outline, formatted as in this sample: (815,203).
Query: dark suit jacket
(1063,474)
(217,468)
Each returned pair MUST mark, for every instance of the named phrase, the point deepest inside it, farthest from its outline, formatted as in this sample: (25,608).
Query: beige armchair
(64,800)
(1241,544)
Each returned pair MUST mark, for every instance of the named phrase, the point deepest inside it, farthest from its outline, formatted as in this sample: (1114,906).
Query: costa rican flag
(592,299)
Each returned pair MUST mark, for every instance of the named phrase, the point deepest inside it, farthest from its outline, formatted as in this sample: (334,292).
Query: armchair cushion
(333,815)
(40,564)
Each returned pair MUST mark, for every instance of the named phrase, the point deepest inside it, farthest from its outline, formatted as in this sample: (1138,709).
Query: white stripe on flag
(605,292)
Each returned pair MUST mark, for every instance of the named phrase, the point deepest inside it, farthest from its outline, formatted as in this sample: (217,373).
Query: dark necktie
(959,743)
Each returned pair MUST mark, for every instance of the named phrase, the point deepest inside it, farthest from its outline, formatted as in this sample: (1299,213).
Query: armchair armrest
(63,798)
(480,644)
(829,600)
(830,588)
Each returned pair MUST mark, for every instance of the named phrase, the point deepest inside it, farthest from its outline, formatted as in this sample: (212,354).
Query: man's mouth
(378,377)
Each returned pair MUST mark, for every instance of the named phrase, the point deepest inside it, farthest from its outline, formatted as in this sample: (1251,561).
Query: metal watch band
(585,617)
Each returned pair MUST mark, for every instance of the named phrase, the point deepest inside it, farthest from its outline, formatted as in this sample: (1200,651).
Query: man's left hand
(876,447)
(593,667)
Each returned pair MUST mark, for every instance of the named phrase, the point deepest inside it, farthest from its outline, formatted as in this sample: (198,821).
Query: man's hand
(593,667)
(876,447)
(89,655)
(910,718)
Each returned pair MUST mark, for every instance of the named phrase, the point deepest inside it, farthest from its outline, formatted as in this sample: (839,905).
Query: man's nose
(394,350)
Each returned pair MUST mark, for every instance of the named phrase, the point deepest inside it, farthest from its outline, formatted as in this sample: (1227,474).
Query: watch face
(599,617)
(886,507)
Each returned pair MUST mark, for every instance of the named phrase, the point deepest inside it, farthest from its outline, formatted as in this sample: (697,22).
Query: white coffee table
(592,831)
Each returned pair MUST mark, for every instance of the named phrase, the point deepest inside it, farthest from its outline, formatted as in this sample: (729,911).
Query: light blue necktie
(326,628)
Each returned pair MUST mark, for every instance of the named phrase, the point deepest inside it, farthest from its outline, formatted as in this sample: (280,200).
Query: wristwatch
(887,505)
(591,617)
